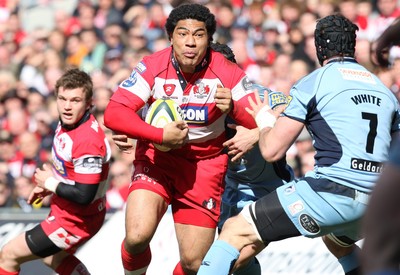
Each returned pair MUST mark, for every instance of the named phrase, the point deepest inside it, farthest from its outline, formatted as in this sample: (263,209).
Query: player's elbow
(271,155)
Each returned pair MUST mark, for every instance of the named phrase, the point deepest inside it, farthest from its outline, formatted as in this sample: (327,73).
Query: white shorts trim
(247,216)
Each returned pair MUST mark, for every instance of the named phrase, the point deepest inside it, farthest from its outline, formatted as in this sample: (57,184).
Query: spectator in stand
(12,101)
(136,39)
(84,14)
(101,97)
(363,53)
(136,16)
(65,23)
(325,8)
(8,148)
(156,22)
(12,34)
(290,12)
(17,121)
(106,14)
(298,69)
(96,50)
(271,32)
(225,19)
(75,51)
(8,81)
(114,37)
(388,11)
(29,155)
(113,62)
(5,192)
(256,17)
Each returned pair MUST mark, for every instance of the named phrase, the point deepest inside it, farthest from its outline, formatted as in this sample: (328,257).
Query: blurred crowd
(272,41)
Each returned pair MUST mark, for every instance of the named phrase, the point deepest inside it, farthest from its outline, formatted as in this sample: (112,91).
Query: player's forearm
(124,120)
(79,192)
(240,115)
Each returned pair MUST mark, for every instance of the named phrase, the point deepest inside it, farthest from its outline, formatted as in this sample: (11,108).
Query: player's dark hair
(335,35)
(191,11)
(225,50)
(75,78)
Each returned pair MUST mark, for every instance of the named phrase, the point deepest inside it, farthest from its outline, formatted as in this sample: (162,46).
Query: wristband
(51,184)
(264,118)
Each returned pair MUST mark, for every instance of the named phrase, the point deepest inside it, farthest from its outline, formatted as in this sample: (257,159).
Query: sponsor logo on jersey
(201,90)
(195,114)
(309,224)
(59,165)
(209,204)
(247,84)
(289,190)
(88,165)
(91,162)
(357,75)
(95,125)
(169,89)
(296,207)
(366,165)
(131,80)
(140,67)
(61,143)
(143,178)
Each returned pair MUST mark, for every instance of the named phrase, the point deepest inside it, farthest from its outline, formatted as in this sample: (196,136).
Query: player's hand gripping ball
(162,112)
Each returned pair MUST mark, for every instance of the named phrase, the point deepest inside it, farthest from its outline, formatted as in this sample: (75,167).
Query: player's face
(190,42)
(71,105)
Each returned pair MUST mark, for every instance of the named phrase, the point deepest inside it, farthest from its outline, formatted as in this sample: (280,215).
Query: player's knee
(337,248)
(7,254)
(190,265)
(136,243)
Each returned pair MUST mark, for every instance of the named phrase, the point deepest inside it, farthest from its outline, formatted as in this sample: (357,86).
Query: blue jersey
(350,115)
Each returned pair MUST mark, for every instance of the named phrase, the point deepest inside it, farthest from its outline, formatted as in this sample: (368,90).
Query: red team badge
(201,90)
(169,89)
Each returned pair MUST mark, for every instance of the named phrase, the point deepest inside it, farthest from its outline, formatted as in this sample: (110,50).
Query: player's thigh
(55,260)
(144,210)
(193,241)
(17,249)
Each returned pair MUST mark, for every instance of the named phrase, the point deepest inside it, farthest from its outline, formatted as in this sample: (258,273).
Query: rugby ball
(160,113)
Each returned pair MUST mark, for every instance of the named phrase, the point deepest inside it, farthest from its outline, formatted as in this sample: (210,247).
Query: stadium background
(102,254)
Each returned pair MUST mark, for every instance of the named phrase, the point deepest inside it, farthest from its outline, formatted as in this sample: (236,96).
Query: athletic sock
(71,265)
(178,270)
(135,264)
(253,267)
(5,272)
(350,262)
(219,259)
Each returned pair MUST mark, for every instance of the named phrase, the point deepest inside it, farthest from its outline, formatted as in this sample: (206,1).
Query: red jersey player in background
(77,181)
(190,177)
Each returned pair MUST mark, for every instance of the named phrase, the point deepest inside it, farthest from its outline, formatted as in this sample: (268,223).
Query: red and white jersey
(81,155)
(159,76)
